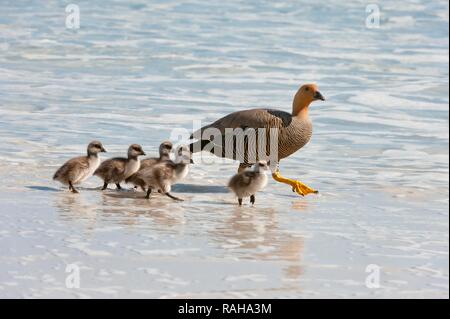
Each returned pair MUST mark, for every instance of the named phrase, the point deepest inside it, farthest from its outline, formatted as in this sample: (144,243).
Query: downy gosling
(116,170)
(79,169)
(248,183)
(164,155)
(163,175)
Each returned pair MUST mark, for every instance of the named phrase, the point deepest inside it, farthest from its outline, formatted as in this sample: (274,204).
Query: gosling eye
(307,89)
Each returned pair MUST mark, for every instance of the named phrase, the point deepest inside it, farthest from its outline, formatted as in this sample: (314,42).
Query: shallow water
(135,71)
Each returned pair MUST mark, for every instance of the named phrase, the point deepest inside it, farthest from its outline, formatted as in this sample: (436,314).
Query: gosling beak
(103,150)
(318,96)
(143,153)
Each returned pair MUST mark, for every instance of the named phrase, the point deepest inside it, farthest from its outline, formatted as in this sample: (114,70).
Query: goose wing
(241,180)
(247,177)
(110,168)
(72,169)
(255,118)
(148,162)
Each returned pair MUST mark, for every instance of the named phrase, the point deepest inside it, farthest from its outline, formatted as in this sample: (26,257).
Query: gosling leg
(149,191)
(252,199)
(173,197)
(72,189)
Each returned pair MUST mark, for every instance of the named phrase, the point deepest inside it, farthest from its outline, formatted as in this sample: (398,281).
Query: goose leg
(297,186)
(173,197)
(252,199)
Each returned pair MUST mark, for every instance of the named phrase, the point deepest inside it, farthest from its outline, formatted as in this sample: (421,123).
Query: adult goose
(292,132)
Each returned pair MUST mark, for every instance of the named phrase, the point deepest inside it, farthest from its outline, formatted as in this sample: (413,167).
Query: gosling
(248,183)
(79,169)
(116,170)
(164,155)
(163,175)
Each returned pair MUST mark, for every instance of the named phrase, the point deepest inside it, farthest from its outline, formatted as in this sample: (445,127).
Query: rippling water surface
(136,70)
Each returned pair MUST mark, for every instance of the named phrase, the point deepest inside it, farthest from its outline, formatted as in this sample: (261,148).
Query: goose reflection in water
(75,208)
(254,234)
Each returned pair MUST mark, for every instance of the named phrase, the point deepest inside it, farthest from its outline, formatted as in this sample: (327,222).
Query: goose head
(135,150)
(307,94)
(261,166)
(95,147)
(183,155)
(165,148)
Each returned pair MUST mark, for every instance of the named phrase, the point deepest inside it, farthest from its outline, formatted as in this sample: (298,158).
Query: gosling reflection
(75,208)
(133,209)
(126,208)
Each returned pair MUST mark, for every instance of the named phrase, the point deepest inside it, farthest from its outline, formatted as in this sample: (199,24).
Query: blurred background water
(136,70)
